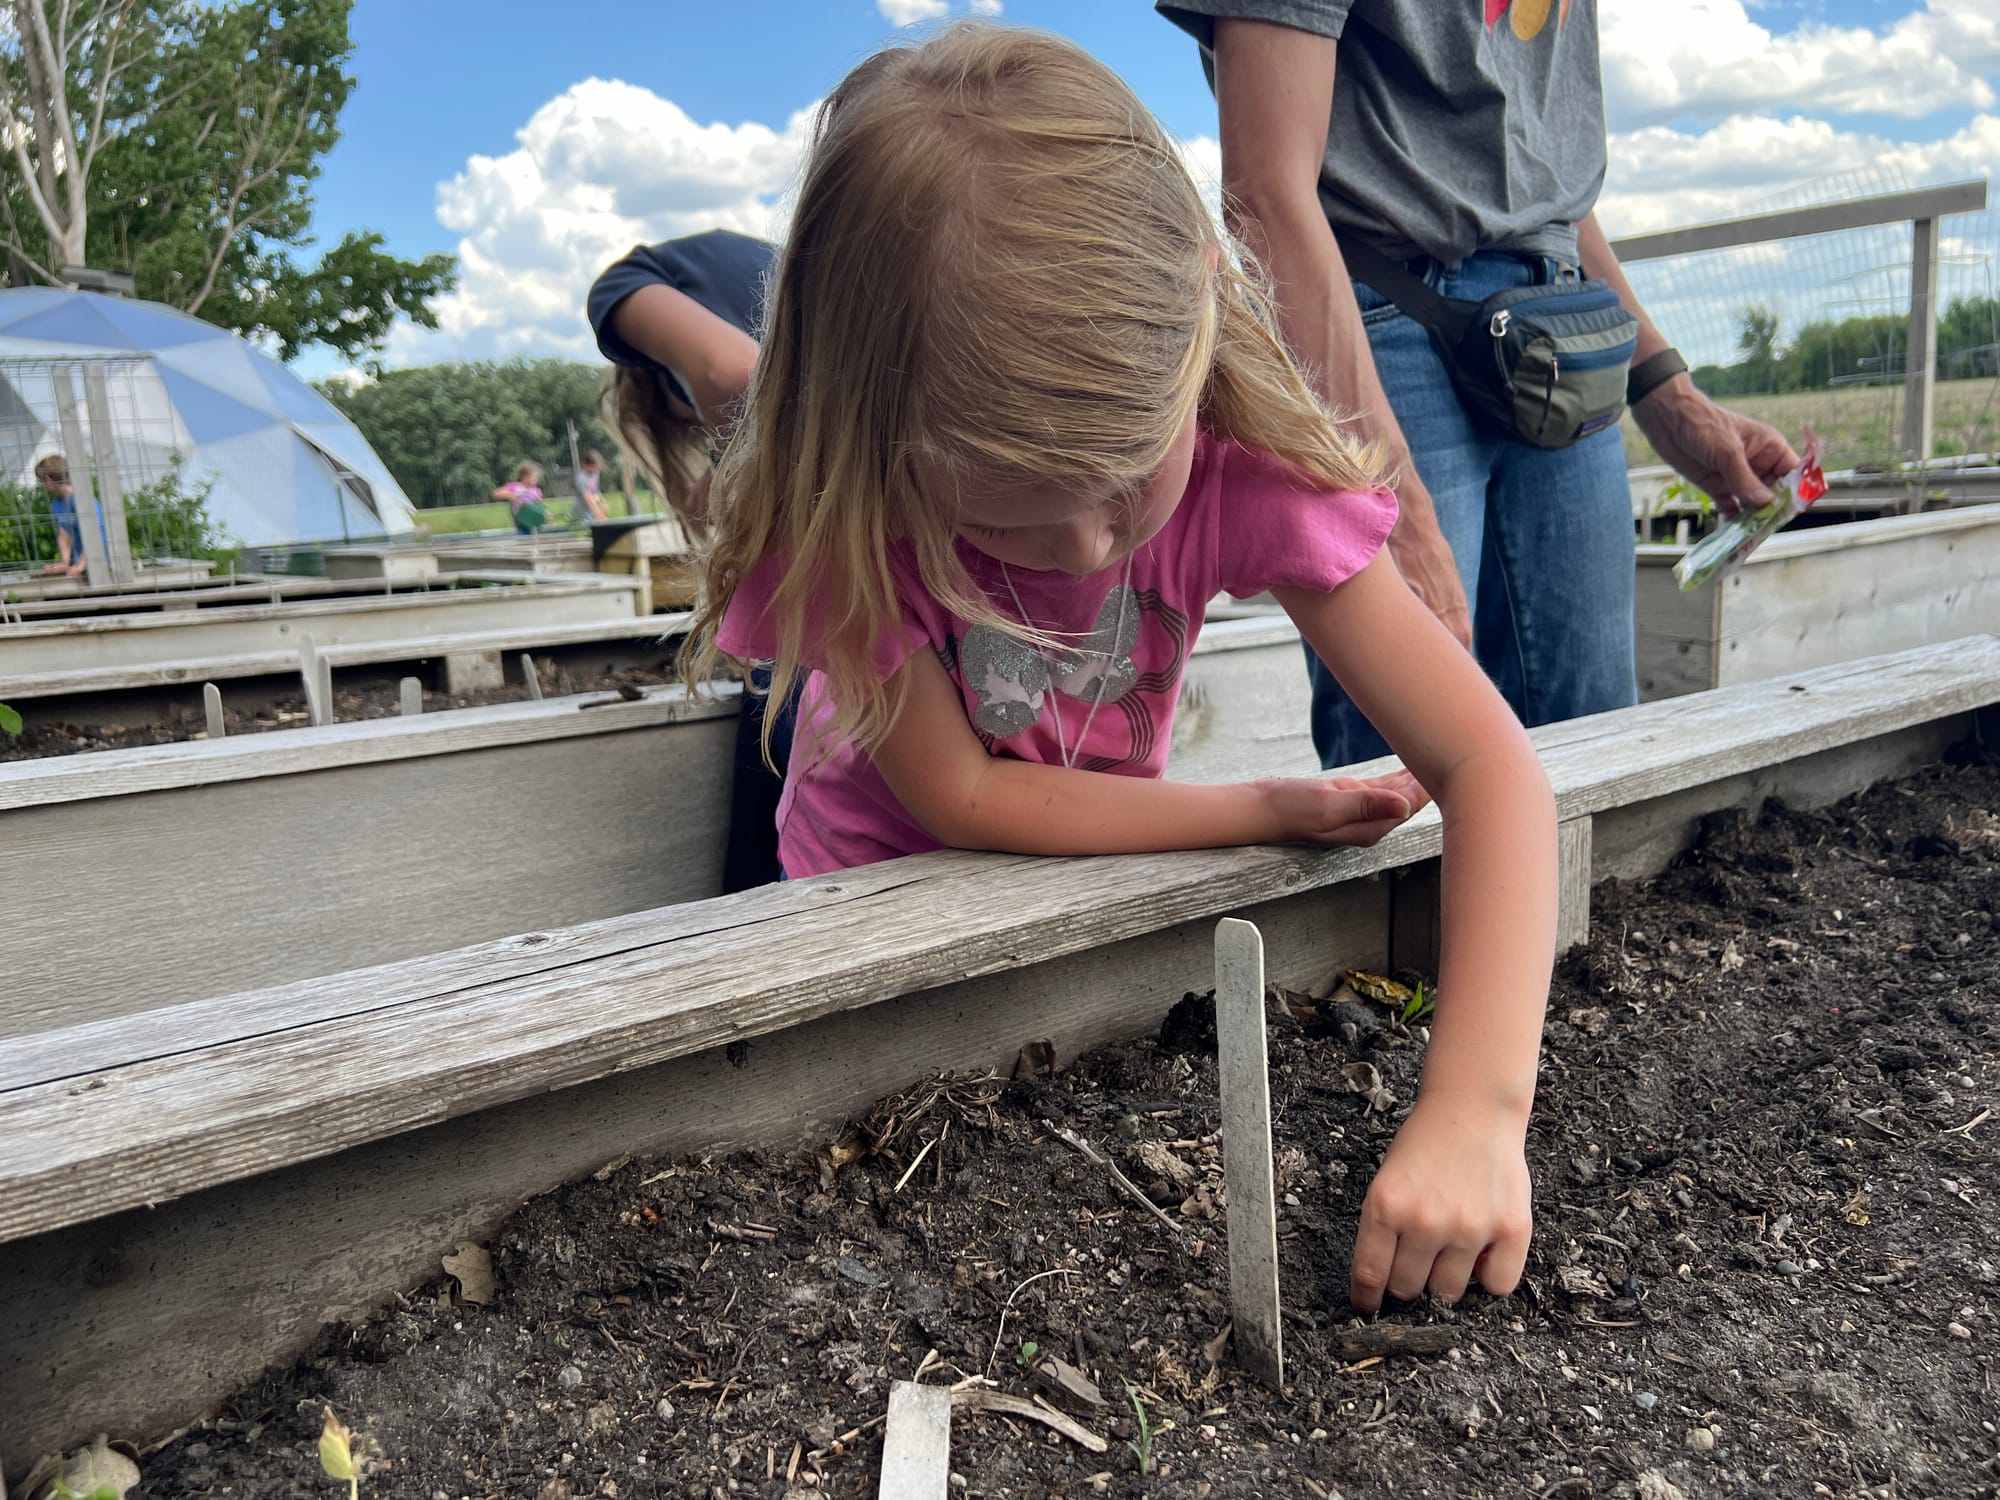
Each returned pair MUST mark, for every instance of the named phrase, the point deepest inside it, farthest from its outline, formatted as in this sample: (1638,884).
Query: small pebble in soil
(665,1410)
(1789,1268)
(1701,1439)
(569,1378)
(1646,1400)
(1958,1330)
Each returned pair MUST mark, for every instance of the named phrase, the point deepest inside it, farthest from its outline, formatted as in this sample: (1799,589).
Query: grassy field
(1861,424)
(450,520)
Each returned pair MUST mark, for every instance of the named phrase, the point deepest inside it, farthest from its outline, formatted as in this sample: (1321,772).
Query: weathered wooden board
(136,1322)
(330,849)
(1810,598)
(174,1125)
(127,640)
(1244,704)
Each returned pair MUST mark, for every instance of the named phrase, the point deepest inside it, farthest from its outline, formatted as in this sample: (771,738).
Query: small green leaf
(10,720)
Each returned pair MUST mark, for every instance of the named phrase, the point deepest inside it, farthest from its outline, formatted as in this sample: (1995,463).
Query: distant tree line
(1851,350)
(451,432)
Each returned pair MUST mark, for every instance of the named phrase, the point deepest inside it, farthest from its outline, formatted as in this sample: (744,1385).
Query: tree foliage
(181,145)
(1864,348)
(451,432)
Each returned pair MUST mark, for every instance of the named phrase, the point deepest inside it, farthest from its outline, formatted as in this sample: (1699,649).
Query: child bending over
(1019,415)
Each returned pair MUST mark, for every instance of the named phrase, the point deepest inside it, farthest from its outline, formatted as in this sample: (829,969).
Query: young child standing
(523,494)
(590,486)
(1018,416)
(53,472)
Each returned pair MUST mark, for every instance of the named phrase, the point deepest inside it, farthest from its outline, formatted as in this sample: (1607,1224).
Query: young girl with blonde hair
(1017,418)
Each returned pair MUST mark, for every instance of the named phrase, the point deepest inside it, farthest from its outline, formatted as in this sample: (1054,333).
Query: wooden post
(469,671)
(96,557)
(1245,1086)
(916,1443)
(211,702)
(413,696)
(531,676)
(104,473)
(1415,906)
(1573,856)
(1919,389)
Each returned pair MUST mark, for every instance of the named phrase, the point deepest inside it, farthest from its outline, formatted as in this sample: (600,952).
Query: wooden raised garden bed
(189,1193)
(1818,595)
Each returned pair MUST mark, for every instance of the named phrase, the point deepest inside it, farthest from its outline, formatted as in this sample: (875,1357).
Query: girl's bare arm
(1452,1199)
(967,799)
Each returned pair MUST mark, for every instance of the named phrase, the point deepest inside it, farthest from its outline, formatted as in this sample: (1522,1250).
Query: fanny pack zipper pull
(1549,392)
(1498,327)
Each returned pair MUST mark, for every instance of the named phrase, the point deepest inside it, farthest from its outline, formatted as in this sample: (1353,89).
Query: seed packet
(1725,549)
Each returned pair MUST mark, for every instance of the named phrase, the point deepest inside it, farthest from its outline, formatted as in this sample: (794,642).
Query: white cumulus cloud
(598,169)
(909,12)
(1710,59)
(1660,178)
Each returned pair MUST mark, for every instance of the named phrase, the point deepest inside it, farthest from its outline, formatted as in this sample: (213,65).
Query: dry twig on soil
(1125,1184)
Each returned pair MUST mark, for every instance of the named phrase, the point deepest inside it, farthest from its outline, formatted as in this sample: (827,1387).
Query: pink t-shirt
(1244,525)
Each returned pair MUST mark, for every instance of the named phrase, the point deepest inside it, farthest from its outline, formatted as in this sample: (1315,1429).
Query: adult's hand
(1734,458)
(1424,559)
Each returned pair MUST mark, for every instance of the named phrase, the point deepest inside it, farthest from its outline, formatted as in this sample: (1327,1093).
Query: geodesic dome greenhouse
(286,466)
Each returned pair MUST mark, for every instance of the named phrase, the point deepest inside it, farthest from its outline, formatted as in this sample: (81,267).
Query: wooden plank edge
(572,1041)
(155,768)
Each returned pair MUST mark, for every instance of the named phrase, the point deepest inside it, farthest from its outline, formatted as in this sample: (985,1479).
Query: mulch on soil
(1764,1261)
(288,711)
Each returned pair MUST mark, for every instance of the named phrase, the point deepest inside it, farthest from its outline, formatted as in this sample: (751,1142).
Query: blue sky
(477,128)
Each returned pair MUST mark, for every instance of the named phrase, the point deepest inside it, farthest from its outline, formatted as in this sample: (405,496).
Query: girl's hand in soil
(1451,1202)
(1342,809)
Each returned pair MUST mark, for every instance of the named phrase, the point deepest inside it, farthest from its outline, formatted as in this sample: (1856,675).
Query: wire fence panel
(1816,330)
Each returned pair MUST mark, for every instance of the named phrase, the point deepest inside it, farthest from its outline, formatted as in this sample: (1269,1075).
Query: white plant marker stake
(318,710)
(211,703)
(1246,1148)
(533,678)
(916,1444)
(413,696)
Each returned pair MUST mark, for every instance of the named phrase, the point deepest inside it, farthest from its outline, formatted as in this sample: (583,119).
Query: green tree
(451,432)
(1757,342)
(191,134)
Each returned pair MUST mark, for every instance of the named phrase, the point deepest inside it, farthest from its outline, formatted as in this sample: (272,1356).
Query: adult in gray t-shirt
(1465,137)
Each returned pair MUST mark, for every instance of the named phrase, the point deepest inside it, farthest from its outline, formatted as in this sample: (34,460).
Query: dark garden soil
(1764,1264)
(288,711)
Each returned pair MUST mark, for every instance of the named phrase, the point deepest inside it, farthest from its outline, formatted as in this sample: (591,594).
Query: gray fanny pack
(1545,365)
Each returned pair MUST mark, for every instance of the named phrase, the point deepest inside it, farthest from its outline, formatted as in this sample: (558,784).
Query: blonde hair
(52,466)
(998,269)
(527,472)
(669,451)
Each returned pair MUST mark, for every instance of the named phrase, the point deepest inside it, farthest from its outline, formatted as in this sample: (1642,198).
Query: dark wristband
(1652,372)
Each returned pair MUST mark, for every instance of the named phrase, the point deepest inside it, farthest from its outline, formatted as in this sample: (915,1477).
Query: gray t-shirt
(1449,135)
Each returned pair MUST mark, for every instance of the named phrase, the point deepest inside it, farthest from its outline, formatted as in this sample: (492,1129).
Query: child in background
(590,486)
(53,472)
(678,321)
(523,495)
(1017,417)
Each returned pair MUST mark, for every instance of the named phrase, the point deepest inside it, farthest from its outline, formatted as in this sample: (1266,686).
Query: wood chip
(1377,1340)
(1064,1379)
(999,1403)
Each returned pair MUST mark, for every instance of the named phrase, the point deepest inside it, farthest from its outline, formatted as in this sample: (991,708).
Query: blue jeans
(1542,539)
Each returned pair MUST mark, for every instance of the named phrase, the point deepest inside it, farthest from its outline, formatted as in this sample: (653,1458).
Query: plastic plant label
(1725,549)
